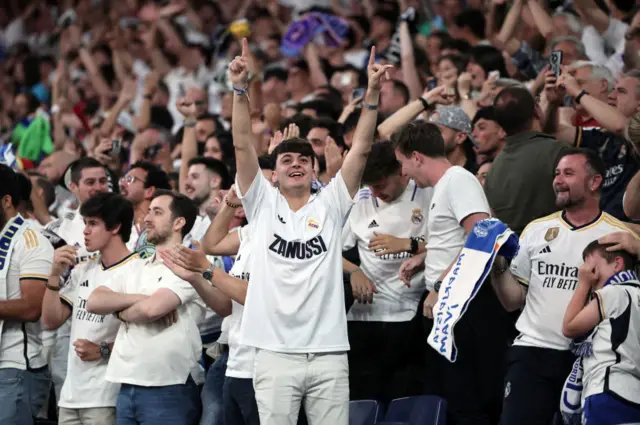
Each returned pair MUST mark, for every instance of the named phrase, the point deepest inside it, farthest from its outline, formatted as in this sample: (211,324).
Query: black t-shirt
(622,162)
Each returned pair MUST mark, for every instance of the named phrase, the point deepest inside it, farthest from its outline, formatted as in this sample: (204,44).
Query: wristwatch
(414,245)
(436,286)
(208,274)
(105,351)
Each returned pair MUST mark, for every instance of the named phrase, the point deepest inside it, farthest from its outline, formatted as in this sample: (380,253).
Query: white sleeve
(614,35)
(337,195)
(259,192)
(594,45)
(181,288)
(612,301)
(348,236)
(521,264)
(466,196)
(36,256)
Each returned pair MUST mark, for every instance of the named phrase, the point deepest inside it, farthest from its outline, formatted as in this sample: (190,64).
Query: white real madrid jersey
(85,385)
(614,367)
(241,357)
(457,195)
(547,264)
(298,305)
(30,258)
(403,218)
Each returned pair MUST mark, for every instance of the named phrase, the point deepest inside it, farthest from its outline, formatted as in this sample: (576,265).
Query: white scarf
(488,238)
(10,235)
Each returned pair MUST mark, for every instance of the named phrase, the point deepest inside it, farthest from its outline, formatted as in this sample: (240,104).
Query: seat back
(363,412)
(419,410)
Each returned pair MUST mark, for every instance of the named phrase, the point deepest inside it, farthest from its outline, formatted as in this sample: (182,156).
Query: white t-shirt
(298,306)
(31,258)
(149,354)
(85,385)
(457,195)
(614,367)
(403,218)
(547,264)
(241,357)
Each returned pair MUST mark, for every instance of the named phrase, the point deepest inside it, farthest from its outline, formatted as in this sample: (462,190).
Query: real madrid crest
(551,234)
(416,216)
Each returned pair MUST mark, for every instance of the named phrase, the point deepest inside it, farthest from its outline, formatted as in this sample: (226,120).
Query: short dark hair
(419,136)
(628,259)
(215,166)
(25,188)
(10,184)
(181,206)
(265,163)
(334,128)
(458,44)
(83,164)
(352,121)
(301,120)
(381,163)
(515,110)
(460,62)
(156,177)
(472,19)
(295,145)
(490,59)
(113,209)
(595,164)
(487,113)
(48,188)
(401,88)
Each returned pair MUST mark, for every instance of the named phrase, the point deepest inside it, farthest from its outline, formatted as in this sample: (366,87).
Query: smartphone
(357,93)
(555,60)
(432,84)
(494,75)
(116,147)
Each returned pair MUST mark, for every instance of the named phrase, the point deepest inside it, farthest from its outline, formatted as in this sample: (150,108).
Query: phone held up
(555,60)
(357,93)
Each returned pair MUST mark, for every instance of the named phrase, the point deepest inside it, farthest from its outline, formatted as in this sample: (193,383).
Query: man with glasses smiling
(138,186)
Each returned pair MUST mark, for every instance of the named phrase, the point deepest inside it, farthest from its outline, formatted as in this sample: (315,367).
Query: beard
(158,236)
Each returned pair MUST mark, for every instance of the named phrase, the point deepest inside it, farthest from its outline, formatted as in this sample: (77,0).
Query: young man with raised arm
(295,317)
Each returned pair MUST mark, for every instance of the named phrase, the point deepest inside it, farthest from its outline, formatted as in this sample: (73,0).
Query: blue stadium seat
(363,412)
(420,410)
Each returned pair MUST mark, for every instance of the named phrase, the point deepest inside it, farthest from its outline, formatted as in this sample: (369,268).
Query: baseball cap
(452,117)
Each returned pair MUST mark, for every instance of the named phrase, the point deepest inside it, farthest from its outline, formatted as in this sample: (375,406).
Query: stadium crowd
(252,212)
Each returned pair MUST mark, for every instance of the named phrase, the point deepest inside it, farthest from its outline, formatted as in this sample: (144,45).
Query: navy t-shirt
(622,162)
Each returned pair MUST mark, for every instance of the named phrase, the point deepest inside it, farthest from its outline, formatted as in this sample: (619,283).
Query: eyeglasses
(130,179)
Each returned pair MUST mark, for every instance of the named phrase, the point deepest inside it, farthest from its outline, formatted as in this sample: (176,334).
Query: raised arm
(189,145)
(246,157)
(218,240)
(356,159)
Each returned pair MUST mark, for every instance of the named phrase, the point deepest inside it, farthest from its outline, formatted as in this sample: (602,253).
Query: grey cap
(452,117)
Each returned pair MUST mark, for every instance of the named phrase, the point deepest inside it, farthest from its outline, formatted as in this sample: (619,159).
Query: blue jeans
(170,404)
(604,409)
(212,411)
(22,394)
(240,406)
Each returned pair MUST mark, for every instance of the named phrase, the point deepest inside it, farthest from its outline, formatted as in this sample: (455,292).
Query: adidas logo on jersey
(281,220)
(84,284)
(545,250)
(373,224)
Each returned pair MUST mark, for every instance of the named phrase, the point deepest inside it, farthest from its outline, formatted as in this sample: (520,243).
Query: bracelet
(229,204)
(52,287)
(414,245)
(370,106)
(354,271)
(190,124)
(579,96)
(425,104)
(240,92)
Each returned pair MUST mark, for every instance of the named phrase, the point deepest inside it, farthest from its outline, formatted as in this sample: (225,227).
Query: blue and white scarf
(11,234)
(489,238)
(571,399)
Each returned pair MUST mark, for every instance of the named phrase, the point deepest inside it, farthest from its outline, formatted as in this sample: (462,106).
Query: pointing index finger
(245,48)
(372,56)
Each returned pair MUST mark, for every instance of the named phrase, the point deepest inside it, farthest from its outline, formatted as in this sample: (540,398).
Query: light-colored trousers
(91,416)
(283,381)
